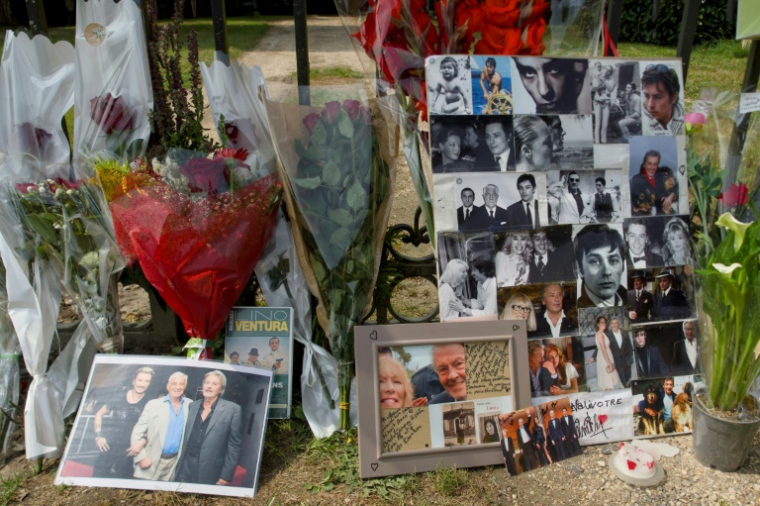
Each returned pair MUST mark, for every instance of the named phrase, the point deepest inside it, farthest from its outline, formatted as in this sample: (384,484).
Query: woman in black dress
(114,422)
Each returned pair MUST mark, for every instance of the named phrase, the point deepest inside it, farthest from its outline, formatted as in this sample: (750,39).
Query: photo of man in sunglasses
(663,110)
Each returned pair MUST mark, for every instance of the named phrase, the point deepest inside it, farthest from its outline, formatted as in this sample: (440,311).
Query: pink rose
(331,111)
(352,108)
(206,175)
(310,122)
(110,114)
(694,122)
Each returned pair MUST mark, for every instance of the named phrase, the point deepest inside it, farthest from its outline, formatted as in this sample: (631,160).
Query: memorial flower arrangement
(398,35)
(64,226)
(338,171)
(196,225)
(729,273)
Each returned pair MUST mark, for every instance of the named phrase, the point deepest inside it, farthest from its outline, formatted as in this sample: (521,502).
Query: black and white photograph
(600,263)
(663,406)
(656,177)
(459,424)
(549,309)
(658,241)
(160,423)
(662,98)
(551,247)
(608,349)
(467,283)
(542,85)
(472,144)
(563,360)
(449,85)
(588,196)
(572,146)
(491,84)
(616,94)
(501,201)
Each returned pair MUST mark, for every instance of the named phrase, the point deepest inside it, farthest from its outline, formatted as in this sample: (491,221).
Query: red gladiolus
(736,195)
(238,154)
(110,114)
(206,175)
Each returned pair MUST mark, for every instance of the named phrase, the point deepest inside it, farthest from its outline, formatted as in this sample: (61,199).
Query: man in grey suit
(157,435)
(622,350)
(212,439)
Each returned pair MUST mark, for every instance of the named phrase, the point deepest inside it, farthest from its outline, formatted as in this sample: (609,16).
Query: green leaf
(341,217)
(316,152)
(345,125)
(308,183)
(319,136)
(331,173)
(300,150)
(42,228)
(340,236)
(357,196)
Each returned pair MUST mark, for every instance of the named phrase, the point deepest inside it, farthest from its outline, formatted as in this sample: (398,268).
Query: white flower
(726,269)
(90,260)
(739,228)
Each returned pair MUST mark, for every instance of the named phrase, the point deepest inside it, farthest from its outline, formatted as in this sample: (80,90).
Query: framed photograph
(491,85)
(262,337)
(439,385)
(166,423)
(662,406)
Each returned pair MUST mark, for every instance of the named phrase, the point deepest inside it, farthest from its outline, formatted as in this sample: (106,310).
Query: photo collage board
(561,198)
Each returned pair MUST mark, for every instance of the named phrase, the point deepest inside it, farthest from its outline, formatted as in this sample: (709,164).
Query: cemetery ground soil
(293,462)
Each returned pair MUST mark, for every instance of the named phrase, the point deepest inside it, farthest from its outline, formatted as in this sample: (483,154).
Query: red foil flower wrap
(111,114)
(198,254)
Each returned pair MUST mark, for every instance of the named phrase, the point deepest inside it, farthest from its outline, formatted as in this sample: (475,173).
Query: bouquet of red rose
(197,226)
(339,168)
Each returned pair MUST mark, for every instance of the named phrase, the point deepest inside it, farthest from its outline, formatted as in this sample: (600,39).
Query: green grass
(331,73)
(9,486)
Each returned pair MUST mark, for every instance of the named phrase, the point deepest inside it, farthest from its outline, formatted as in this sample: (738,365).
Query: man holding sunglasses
(553,322)
(663,112)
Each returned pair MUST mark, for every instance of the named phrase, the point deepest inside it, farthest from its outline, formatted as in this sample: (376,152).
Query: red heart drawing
(631,465)
(602,419)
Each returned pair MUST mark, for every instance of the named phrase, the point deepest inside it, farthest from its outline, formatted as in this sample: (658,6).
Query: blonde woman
(519,307)
(396,389)
(676,248)
(454,274)
(513,259)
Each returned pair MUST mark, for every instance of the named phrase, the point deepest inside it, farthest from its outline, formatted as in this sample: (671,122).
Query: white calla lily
(739,228)
(727,269)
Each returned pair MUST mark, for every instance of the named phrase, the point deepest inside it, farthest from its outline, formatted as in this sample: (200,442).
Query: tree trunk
(6,14)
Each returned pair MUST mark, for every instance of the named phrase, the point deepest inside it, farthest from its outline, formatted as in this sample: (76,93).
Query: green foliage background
(637,25)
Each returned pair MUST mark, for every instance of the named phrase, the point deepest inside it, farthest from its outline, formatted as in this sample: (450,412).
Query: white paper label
(749,102)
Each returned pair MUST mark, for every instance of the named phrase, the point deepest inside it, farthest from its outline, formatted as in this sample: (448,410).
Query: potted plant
(726,415)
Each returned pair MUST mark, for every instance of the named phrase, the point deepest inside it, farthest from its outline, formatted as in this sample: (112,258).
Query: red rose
(352,108)
(110,114)
(69,185)
(310,122)
(23,188)
(29,136)
(232,132)
(331,111)
(736,195)
(206,175)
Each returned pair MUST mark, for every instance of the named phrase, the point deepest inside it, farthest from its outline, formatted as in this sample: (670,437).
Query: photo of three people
(169,424)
